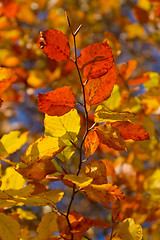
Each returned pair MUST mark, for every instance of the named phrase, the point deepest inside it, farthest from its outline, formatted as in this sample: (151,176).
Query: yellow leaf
(152,183)
(47,226)
(12,142)
(114,100)
(144,4)
(65,127)
(129,230)
(134,30)
(9,228)
(12,179)
(79,181)
(44,148)
(102,114)
(43,199)
(28,215)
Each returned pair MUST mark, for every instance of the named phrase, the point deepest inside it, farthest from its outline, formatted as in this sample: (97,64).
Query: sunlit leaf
(23,214)
(102,114)
(44,148)
(57,102)
(91,143)
(12,179)
(7,76)
(99,89)
(9,228)
(10,8)
(79,181)
(110,136)
(129,130)
(95,60)
(139,80)
(47,226)
(54,44)
(96,170)
(152,183)
(12,142)
(129,230)
(65,127)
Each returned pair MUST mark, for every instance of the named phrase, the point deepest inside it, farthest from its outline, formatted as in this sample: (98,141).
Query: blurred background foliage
(132,29)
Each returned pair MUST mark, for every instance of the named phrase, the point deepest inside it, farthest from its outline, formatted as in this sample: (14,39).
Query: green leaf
(12,142)
(79,181)
(12,179)
(129,230)
(47,226)
(103,114)
(44,148)
(66,128)
(9,228)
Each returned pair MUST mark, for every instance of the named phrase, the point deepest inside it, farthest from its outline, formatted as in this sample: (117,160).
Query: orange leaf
(95,169)
(57,102)
(129,130)
(54,44)
(9,8)
(104,193)
(38,170)
(7,76)
(111,136)
(95,60)
(91,143)
(140,80)
(79,225)
(99,89)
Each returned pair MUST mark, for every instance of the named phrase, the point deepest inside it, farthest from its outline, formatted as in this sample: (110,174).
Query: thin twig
(8,161)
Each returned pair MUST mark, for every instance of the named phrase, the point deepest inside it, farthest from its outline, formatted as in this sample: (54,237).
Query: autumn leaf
(129,130)
(7,77)
(139,80)
(79,181)
(12,179)
(96,170)
(129,230)
(99,89)
(38,170)
(111,136)
(44,148)
(9,228)
(66,128)
(47,226)
(57,102)
(11,142)
(54,44)
(95,60)
(102,114)
(91,143)
(103,193)
(79,225)
(10,8)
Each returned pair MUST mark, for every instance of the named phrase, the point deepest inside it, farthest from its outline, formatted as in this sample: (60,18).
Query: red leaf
(91,143)
(54,44)
(57,102)
(95,60)
(9,8)
(99,89)
(129,130)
